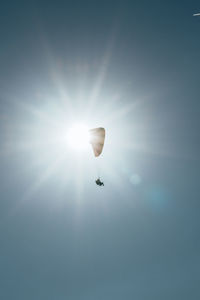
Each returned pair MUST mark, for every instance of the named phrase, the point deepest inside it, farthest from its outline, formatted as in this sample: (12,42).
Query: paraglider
(97,138)
(99,182)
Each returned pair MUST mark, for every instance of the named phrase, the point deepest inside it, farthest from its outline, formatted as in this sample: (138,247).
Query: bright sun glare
(49,131)
(78,137)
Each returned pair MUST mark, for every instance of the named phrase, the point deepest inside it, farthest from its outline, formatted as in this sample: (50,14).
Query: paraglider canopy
(97,138)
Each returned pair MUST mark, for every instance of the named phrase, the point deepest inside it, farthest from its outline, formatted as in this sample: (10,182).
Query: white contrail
(195,15)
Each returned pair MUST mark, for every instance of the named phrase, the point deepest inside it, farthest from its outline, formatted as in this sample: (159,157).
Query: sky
(131,67)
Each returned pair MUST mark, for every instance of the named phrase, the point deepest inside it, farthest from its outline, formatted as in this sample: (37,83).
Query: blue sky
(133,68)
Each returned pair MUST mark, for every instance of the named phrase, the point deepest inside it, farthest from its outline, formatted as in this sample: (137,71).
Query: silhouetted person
(99,182)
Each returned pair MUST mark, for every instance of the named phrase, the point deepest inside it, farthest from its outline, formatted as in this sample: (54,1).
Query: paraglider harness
(99,182)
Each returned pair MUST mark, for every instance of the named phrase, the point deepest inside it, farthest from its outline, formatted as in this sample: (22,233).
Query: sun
(78,137)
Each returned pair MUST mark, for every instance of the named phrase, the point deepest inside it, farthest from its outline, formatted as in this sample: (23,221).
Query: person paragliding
(97,138)
(99,182)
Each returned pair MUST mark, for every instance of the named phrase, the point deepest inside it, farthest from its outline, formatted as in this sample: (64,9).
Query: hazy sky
(129,66)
